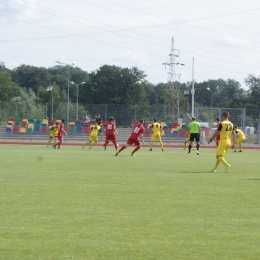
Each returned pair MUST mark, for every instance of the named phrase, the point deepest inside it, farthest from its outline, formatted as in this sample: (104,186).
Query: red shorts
(135,141)
(110,137)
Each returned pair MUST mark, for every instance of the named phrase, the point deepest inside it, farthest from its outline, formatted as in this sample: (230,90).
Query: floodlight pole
(16,103)
(211,105)
(68,65)
(77,105)
(192,89)
(49,89)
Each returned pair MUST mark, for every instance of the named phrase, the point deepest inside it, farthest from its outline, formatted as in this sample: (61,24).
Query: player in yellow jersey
(226,131)
(53,134)
(93,135)
(187,141)
(157,130)
(240,139)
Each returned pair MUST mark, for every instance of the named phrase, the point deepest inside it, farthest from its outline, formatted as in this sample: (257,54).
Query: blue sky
(222,36)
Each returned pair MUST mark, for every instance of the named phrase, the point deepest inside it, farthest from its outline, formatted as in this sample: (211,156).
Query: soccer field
(78,203)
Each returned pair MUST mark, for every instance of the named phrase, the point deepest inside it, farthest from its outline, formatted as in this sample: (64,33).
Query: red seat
(15,130)
(43,130)
(86,130)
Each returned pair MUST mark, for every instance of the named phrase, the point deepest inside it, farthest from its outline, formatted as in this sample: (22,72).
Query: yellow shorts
(240,140)
(222,149)
(93,138)
(53,135)
(156,137)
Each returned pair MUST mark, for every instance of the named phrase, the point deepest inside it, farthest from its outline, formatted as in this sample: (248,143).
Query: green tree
(31,77)
(7,88)
(115,85)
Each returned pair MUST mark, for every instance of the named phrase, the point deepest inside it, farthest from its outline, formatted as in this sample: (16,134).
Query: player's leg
(55,139)
(106,142)
(185,144)
(86,143)
(221,151)
(136,149)
(129,142)
(190,142)
(151,142)
(49,141)
(138,146)
(160,141)
(113,140)
(95,140)
(235,146)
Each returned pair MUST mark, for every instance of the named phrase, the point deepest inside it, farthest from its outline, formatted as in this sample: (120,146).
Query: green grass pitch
(76,203)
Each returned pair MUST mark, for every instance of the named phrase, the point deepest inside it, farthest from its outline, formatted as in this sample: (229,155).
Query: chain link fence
(125,115)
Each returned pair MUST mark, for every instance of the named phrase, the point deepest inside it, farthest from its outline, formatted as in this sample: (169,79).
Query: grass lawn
(78,203)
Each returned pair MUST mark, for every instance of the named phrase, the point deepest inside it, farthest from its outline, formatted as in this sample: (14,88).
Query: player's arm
(142,138)
(64,131)
(215,133)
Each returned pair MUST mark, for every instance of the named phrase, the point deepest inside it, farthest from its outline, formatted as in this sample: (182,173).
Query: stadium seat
(79,130)
(85,130)
(36,129)
(22,129)
(16,130)
(45,121)
(72,130)
(29,130)
(175,133)
(163,124)
(8,129)
(44,130)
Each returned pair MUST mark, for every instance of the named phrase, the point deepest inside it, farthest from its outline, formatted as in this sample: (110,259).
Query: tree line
(111,84)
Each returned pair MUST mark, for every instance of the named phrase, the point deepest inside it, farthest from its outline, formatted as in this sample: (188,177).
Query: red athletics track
(145,145)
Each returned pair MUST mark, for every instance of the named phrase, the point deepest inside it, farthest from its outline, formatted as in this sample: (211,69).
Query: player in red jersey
(60,132)
(111,132)
(134,138)
(218,135)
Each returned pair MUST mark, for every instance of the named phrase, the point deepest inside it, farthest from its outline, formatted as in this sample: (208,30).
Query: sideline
(144,145)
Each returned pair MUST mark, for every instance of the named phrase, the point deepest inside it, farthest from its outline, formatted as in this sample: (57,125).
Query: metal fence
(123,114)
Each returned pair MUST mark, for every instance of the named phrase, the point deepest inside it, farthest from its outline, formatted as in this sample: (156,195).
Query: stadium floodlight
(68,65)
(16,103)
(49,89)
(211,105)
(77,106)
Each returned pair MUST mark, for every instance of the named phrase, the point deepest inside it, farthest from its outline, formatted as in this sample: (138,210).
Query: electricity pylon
(171,99)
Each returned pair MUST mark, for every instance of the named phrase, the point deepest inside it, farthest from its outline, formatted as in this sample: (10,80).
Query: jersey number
(228,127)
(136,130)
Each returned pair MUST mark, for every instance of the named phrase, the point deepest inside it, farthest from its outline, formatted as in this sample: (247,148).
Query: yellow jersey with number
(94,130)
(225,128)
(156,128)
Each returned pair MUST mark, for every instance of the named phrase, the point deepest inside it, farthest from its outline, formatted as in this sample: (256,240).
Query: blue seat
(8,130)
(37,129)
(79,130)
